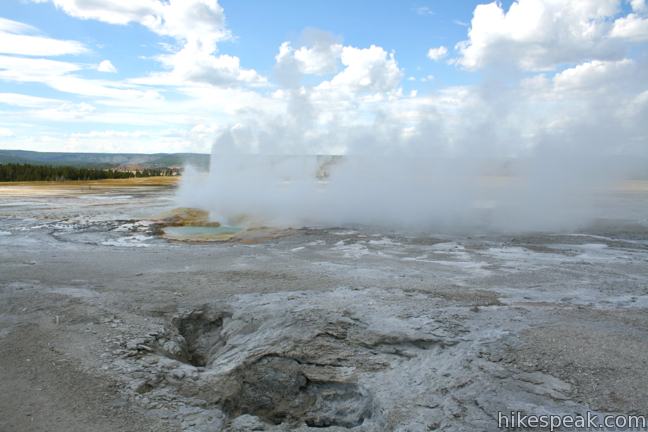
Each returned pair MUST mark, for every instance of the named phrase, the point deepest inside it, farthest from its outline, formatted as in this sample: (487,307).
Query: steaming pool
(201,233)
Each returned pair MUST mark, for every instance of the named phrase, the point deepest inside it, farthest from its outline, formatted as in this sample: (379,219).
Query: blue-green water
(191,231)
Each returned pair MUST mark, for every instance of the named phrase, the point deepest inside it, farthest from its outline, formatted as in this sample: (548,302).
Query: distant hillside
(105,160)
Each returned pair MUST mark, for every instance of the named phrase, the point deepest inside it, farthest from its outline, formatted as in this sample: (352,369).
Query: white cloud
(22,39)
(201,21)
(438,53)
(65,112)
(197,26)
(539,34)
(192,65)
(33,70)
(47,109)
(594,75)
(27,101)
(638,5)
(366,70)
(106,66)
(318,59)
(59,76)
(319,55)
(11,26)
(6,132)
(140,140)
(100,88)
(631,27)
(112,12)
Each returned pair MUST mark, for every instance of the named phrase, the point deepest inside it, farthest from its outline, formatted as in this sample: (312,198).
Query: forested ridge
(26,172)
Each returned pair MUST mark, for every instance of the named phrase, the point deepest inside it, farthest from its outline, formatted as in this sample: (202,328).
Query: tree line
(26,172)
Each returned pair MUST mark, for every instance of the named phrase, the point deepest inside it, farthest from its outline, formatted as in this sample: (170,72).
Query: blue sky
(259,27)
(409,29)
(159,75)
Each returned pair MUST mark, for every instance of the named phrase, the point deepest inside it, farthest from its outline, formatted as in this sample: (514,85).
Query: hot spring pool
(223,232)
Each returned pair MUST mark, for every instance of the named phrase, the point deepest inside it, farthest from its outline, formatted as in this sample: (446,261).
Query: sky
(330,77)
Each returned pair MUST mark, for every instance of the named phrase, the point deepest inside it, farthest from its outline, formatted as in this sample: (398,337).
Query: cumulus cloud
(595,75)
(106,66)
(539,34)
(438,53)
(319,59)
(365,70)
(639,5)
(631,27)
(199,22)
(318,54)
(345,71)
(193,64)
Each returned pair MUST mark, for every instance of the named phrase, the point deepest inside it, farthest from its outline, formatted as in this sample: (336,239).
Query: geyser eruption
(400,191)
(290,190)
(513,153)
(404,177)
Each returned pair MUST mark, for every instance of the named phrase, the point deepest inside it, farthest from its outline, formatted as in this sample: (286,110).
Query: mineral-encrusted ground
(105,326)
